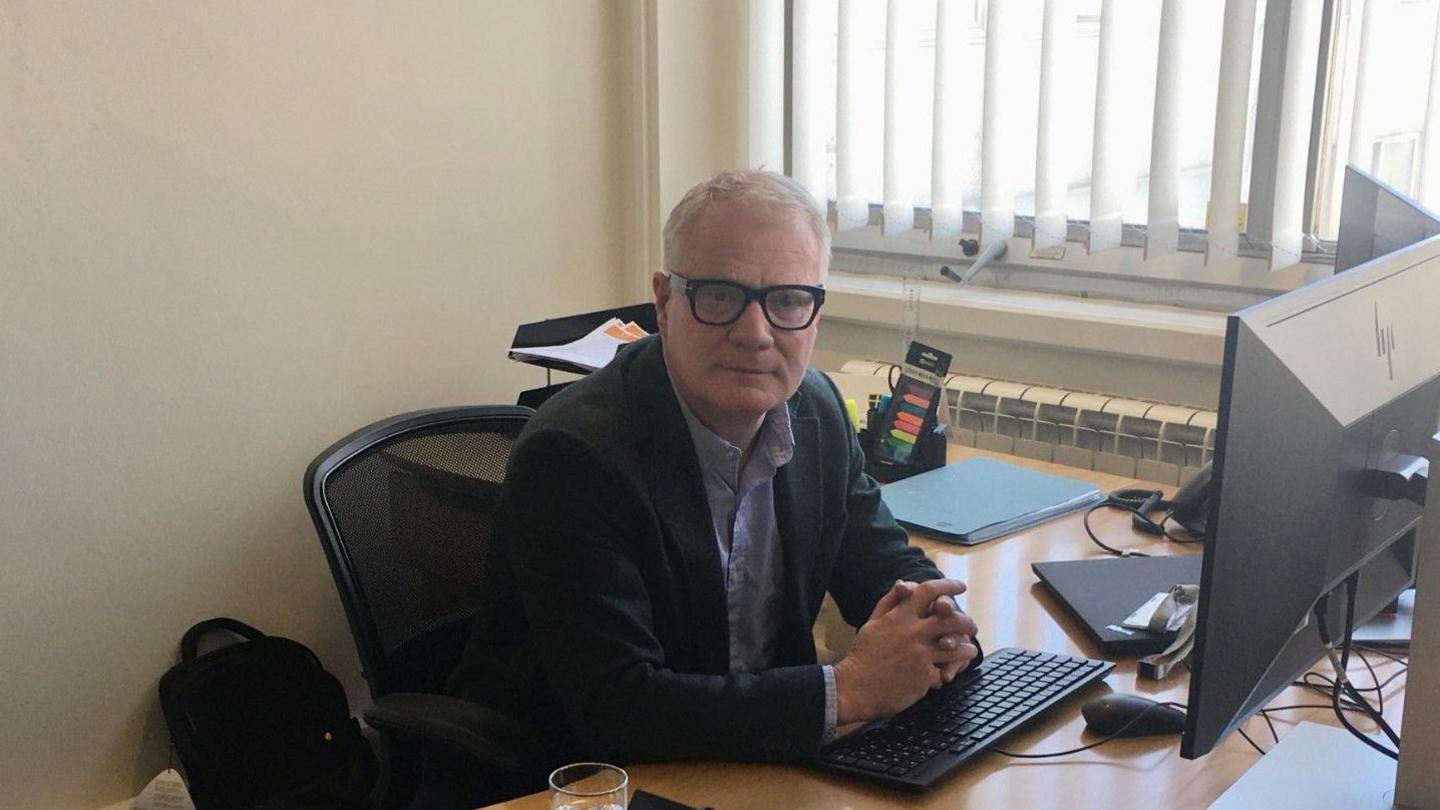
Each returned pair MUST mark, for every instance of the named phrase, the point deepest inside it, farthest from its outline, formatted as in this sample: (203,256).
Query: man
(678,516)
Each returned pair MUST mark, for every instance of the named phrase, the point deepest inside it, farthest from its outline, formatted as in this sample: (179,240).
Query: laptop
(1101,592)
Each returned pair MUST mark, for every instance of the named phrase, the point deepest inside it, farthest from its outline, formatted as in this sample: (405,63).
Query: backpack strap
(191,641)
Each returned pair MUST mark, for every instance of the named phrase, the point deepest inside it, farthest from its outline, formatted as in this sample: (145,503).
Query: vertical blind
(1115,113)
(1232,110)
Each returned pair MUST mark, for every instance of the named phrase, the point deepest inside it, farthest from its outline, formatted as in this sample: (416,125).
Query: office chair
(405,510)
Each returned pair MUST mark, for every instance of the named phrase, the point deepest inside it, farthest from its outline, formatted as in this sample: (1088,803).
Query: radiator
(1152,441)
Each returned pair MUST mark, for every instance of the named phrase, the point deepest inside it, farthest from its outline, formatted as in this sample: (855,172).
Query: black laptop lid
(1101,592)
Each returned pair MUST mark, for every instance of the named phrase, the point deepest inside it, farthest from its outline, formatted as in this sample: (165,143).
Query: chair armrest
(466,728)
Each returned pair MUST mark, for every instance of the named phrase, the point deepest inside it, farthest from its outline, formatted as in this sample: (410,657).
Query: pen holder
(929,451)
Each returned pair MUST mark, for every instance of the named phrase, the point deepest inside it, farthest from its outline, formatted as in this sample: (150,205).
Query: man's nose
(752,328)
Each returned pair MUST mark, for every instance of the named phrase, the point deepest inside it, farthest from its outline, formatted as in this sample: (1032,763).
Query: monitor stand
(1315,766)
(1389,628)
(1318,766)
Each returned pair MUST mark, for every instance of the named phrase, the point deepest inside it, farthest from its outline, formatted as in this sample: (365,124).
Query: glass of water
(589,786)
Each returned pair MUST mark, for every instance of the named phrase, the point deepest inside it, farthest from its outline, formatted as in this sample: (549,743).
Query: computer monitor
(1376,220)
(1323,390)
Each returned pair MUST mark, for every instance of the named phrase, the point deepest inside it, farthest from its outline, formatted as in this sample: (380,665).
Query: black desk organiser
(556,331)
(929,451)
(912,411)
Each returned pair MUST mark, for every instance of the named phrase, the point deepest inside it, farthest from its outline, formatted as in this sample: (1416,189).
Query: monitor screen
(1323,389)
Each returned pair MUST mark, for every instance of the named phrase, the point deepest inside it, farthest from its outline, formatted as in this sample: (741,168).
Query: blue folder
(980,499)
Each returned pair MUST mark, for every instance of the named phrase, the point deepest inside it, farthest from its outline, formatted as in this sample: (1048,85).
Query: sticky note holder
(904,438)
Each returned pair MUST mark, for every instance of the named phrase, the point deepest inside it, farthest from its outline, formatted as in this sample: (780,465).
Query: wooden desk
(1013,609)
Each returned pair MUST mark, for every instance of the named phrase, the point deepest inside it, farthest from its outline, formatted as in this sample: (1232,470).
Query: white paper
(1140,619)
(592,351)
(1175,612)
(1157,666)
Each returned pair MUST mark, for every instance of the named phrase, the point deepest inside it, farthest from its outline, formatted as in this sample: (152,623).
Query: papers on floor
(591,351)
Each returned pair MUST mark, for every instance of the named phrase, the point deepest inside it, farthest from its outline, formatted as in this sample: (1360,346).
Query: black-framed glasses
(720,303)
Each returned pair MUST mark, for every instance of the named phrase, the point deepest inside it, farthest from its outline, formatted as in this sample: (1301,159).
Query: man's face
(733,374)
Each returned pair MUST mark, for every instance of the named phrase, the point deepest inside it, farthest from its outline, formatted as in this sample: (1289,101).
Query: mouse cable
(1095,744)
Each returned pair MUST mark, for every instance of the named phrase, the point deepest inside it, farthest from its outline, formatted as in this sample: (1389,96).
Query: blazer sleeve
(577,521)
(874,550)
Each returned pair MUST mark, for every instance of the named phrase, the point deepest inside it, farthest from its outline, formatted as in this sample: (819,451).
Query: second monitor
(1330,399)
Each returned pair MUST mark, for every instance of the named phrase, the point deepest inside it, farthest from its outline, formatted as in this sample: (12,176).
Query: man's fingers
(898,593)
(964,651)
(964,623)
(952,642)
(927,592)
(955,624)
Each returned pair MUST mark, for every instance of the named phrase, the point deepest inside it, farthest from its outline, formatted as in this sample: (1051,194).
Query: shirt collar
(775,442)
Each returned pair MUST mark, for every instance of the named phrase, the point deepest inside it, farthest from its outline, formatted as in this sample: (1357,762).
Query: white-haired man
(677,517)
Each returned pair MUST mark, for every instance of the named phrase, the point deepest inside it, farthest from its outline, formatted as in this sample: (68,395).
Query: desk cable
(1138,502)
(1342,686)
(1312,680)
(1118,732)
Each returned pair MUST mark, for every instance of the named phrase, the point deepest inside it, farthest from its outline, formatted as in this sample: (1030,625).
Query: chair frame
(333,461)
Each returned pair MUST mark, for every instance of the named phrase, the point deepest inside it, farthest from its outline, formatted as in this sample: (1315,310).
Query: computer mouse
(1122,715)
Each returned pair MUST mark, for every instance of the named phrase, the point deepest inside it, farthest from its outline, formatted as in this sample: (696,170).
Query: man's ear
(660,285)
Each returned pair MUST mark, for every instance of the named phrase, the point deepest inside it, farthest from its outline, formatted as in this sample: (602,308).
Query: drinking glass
(589,786)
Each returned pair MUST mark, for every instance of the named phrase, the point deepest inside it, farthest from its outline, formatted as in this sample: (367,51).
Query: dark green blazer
(623,643)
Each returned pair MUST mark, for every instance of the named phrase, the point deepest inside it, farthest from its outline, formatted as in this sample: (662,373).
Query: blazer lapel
(799,512)
(672,474)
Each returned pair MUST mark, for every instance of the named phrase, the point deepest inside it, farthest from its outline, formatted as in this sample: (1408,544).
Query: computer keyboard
(920,746)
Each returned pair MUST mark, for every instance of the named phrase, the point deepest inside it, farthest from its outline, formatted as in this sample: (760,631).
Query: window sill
(1160,333)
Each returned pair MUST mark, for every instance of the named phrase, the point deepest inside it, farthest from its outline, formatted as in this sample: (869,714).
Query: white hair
(777,196)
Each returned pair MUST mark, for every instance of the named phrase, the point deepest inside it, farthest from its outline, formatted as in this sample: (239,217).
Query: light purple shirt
(742,512)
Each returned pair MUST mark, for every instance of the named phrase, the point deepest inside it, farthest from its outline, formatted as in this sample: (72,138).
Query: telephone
(1190,507)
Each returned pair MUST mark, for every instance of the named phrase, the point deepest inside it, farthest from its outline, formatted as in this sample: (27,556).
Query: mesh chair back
(406,510)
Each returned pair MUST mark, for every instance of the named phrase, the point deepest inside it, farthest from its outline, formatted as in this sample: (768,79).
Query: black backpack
(261,723)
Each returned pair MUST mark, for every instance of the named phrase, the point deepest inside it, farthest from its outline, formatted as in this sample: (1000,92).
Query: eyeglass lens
(722,303)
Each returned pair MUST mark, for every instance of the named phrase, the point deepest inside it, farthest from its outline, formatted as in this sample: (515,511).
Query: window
(1140,128)
(1074,102)
(1383,106)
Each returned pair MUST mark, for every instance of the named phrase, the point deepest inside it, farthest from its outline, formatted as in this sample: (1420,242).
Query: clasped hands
(915,640)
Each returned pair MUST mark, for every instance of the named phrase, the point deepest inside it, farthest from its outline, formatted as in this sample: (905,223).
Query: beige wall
(701,72)
(229,234)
